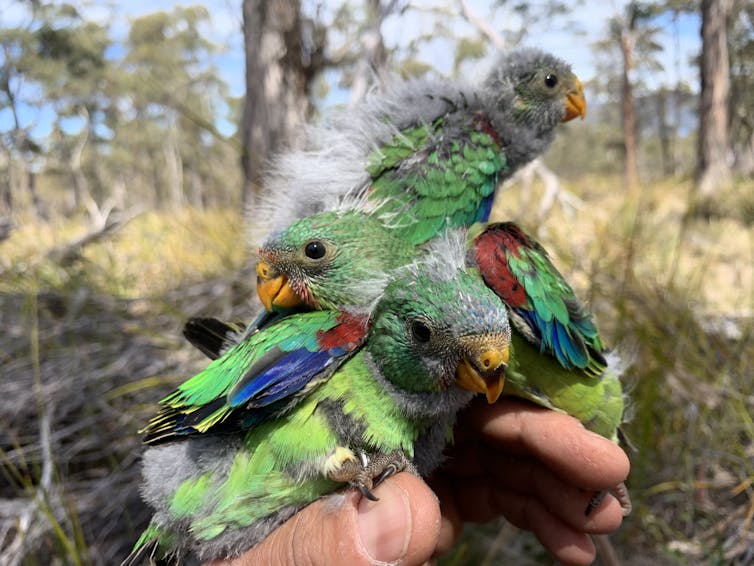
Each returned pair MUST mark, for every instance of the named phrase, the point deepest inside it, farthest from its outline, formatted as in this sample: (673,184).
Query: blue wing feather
(520,272)
(286,377)
(232,393)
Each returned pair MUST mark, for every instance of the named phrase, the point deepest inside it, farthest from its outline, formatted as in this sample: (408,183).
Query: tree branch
(485,28)
(109,222)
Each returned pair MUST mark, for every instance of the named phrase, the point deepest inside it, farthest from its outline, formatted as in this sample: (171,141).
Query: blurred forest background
(125,165)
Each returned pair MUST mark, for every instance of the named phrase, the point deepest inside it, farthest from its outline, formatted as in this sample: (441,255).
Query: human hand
(536,467)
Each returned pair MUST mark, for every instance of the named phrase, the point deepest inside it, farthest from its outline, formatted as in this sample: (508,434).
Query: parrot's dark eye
(551,80)
(420,331)
(315,250)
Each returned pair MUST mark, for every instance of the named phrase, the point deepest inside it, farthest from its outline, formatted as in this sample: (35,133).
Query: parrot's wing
(211,336)
(266,318)
(436,175)
(261,377)
(542,304)
(284,370)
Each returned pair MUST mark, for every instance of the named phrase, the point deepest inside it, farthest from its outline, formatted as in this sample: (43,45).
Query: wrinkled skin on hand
(537,468)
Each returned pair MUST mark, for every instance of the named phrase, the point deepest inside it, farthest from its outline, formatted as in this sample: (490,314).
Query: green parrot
(428,155)
(558,359)
(317,400)
(306,263)
(575,376)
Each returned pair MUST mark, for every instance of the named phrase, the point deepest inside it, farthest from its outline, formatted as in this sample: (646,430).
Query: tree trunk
(278,76)
(196,196)
(666,151)
(713,168)
(160,198)
(629,124)
(31,181)
(6,190)
(79,182)
(374,56)
(174,168)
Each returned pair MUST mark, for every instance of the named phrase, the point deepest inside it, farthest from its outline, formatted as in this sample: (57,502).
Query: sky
(680,38)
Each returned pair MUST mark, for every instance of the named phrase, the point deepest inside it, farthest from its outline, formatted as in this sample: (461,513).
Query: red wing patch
(349,332)
(482,124)
(491,249)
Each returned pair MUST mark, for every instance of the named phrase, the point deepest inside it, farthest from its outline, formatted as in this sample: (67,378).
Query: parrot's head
(536,88)
(328,260)
(439,330)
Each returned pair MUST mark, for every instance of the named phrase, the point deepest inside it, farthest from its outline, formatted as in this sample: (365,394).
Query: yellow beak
(484,373)
(575,102)
(274,290)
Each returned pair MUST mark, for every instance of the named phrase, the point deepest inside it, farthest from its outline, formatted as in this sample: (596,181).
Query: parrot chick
(426,155)
(315,401)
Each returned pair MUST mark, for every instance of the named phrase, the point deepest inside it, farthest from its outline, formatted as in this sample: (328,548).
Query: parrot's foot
(594,502)
(365,473)
(620,492)
(392,464)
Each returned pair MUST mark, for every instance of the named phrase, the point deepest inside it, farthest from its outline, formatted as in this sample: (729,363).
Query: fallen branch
(107,224)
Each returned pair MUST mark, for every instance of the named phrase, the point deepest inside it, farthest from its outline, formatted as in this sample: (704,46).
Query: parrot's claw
(356,471)
(396,462)
(390,470)
(365,473)
(620,492)
(594,502)
(367,493)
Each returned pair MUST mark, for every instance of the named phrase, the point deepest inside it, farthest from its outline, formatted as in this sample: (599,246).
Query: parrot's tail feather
(212,336)
(144,554)
(625,441)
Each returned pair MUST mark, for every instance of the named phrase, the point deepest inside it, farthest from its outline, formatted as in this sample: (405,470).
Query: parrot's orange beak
(484,372)
(274,290)
(575,104)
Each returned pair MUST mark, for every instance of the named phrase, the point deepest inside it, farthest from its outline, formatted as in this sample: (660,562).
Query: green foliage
(412,68)
(146,119)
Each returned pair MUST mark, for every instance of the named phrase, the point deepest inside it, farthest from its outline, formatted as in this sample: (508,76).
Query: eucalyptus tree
(171,92)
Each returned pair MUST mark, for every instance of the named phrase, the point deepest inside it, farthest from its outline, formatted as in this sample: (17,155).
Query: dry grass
(148,257)
(88,348)
(86,351)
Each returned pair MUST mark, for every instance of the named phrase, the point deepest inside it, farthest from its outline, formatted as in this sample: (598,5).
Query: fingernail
(385,525)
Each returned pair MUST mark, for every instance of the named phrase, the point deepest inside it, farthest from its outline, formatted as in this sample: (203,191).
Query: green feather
(598,404)
(190,495)
(592,395)
(421,165)
(218,379)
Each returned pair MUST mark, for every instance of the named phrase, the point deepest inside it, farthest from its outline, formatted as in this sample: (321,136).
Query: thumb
(346,528)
